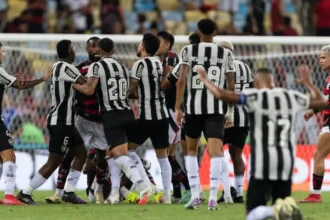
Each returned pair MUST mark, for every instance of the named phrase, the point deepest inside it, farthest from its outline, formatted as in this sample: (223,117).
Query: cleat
(175,200)
(238,199)
(202,197)
(312,198)
(11,200)
(146,193)
(113,200)
(99,199)
(287,209)
(26,199)
(55,199)
(71,197)
(193,204)
(228,200)
(166,198)
(1,202)
(158,197)
(132,198)
(233,193)
(212,205)
(186,197)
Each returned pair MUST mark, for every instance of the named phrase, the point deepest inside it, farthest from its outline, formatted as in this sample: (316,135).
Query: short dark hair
(106,44)
(207,26)
(194,38)
(264,70)
(151,43)
(92,38)
(63,48)
(287,20)
(167,37)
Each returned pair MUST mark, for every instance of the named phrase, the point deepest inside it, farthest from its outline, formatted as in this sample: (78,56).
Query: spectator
(230,6)
(112,17)
(36,12)
(288,29)
(79,10)
(277,15)
(141,19)
(191,4)
(3,21)
(158,24)
(322,18)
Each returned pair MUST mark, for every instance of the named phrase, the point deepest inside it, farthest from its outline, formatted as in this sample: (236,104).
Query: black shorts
(211,125)
(236,136)
(63,137)
(156,130)
(117,126)
(183,134)
(5,138)
(261,191)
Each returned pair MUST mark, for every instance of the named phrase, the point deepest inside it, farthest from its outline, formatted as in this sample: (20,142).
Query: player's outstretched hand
(48,73)
(305,75)
(179,118)
(201,72)
(309,114)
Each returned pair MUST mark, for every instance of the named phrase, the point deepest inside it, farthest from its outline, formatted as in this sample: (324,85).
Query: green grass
(147,212)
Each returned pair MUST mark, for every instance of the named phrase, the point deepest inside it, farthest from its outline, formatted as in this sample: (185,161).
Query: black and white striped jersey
(62,92)
(112,90)
(6,80)
(273,143)
(243,80)
(152,105)
(217,61)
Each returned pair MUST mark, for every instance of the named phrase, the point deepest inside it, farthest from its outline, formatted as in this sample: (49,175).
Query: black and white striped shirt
(6,80)
(152,104)
(62,92)
(217,62)
(273,143)
(243,80)
(112,91)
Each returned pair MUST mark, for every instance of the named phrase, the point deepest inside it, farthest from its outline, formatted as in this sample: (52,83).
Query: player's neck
(207,39)
(68,60)
(144,55)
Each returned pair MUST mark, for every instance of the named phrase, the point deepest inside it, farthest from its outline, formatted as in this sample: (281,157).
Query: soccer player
(146,77)
(322,147)
(60,123)
(202,111)
(169,60)
(7,154)
(236,134)
(112,81)
(272,114)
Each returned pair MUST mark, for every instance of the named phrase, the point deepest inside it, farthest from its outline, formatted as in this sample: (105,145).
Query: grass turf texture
(147,212)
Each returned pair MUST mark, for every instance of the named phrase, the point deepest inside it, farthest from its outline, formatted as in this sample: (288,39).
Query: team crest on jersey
(70,73)
(96,70)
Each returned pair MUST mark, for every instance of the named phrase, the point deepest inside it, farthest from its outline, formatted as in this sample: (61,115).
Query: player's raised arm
(89,87)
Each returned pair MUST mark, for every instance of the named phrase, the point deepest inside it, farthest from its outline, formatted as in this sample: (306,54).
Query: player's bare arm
(19,84)
(165,83)
(180,87)
(133,86)
(89,87)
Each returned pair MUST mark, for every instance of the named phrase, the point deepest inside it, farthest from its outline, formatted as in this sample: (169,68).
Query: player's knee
(8,155)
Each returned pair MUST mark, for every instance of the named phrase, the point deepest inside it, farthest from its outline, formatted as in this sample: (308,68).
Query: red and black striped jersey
(326,111)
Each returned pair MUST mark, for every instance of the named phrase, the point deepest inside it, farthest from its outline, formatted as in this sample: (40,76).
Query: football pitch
(147,212)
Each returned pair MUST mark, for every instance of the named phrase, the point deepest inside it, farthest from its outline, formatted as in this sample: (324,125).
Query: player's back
(64,75)
(113,85)
(217,61)
(272,116)
(149,72)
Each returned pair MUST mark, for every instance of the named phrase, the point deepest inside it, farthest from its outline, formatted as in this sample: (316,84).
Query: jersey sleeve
(300,100)
(5,78)
(250,74)
(174,75)
(137,70)
(171,59)
(94,70)
(251,96)
(71,73)
(184,58)
(229,67)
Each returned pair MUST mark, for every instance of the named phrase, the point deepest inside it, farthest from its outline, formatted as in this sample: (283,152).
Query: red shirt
(289,31)
(277,19)
(321,10)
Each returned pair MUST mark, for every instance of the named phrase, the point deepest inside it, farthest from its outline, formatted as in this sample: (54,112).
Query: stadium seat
(243,9)
(172,15)
(15,7)
(210,2)
(192,26)
(168,5)
(127,5)
(222,19)
(131,21)
(194,16)
(290,8)
(144,5)
(151,15)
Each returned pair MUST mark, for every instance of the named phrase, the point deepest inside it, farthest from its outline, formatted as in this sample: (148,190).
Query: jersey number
(238,88)
(282,127)
(117,90)
(214,75)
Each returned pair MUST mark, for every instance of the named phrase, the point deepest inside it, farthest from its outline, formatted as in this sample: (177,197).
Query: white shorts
(325,129)
(228,5)
(174,130)
(92,133)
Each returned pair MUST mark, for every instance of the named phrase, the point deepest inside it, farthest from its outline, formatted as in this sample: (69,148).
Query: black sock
(178,174)
(177,190)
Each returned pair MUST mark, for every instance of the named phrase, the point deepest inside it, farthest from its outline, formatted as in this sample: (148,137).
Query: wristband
(242,99)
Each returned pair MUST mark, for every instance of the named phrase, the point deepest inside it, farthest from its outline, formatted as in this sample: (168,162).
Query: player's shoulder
(170,54)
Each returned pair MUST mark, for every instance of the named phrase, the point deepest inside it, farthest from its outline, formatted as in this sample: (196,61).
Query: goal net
(28,56)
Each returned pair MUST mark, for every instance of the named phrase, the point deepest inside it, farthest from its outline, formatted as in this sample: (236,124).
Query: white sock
(185,162)
(1,165)
(124,191)
(215,171)
(239,183)
(59,192)
(35,183)
(260,213)
(9,171)
(114,175)
(225,177)
(166,169)
(316,191)
(98,187)
(138,163)
(130,170)
(193,176)
(72,180)
(93,186)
